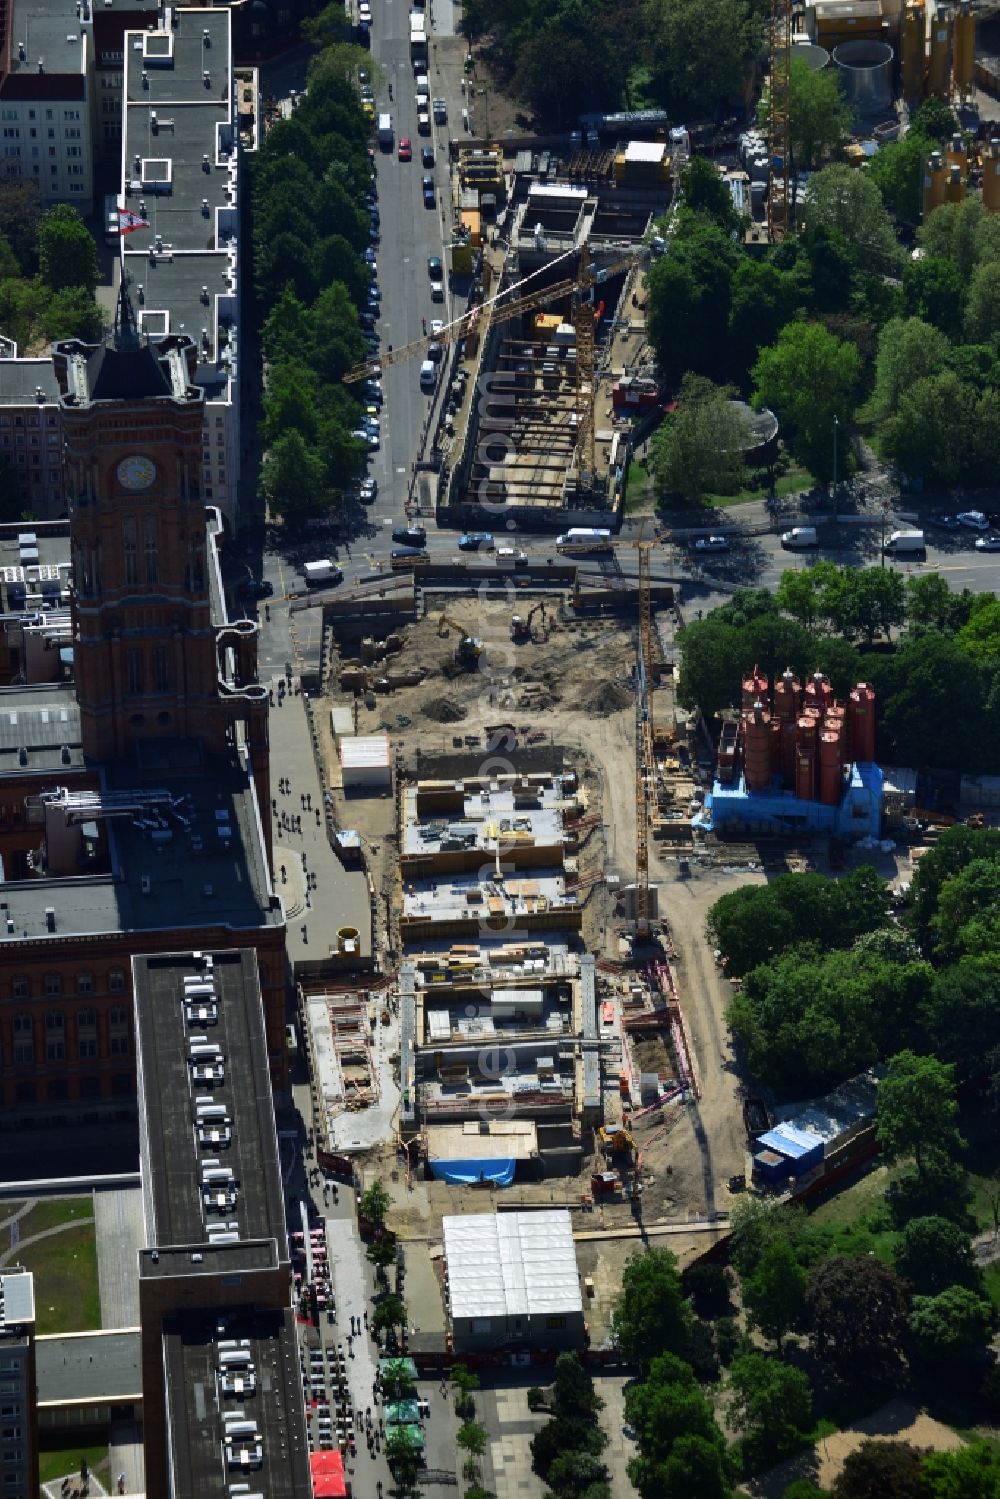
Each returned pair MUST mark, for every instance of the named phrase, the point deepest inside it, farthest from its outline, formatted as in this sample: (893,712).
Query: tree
(951,231)
(807,378)
(917,1109)
(758,1224)
(375,1203)
(403,1455)
(758,922)
(466,1382)
(562,1434)
(935,121)
(689,299)
(961,1015)
(873,602)
(578,1475)
(390,1312)
(67,255)
(705,192)
(932,710)
(966,920)
(763,298)
(897,171)
(934,1254)
(922,440)
(573,1392)
(651,1315)
(472,1438)
(847,204)
(775,1294)
(699,50)
(696,1468)
(941,1189)
(665,1409)
(858,1309)
(771,1404)
(982,309)
(292,478)
(698,450)
(934,290)
(396,1380)
(709,1286)
(381,1253)
(880,1470)
(932,605)
(952,1328)
(970,1472)
(820,118)
(20,211)
(73,313)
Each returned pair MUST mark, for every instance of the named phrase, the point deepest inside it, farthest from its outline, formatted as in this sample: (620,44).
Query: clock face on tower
(136,472)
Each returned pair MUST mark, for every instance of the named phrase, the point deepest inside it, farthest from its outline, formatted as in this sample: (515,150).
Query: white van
(799,537)
(511,557)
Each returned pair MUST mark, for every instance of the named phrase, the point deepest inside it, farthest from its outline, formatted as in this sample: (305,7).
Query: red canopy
(328,1475)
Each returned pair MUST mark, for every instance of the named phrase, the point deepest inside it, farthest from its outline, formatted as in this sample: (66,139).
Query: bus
(583,539)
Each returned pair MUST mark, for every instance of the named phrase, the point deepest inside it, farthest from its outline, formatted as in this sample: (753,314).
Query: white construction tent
(513,1280)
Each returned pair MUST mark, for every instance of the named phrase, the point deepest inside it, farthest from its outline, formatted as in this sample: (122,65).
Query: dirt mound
(443,710)
(605,698)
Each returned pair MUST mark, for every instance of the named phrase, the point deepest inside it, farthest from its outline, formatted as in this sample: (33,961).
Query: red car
(405,149)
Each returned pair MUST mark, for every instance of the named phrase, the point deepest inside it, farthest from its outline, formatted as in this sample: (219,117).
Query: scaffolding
(779,209)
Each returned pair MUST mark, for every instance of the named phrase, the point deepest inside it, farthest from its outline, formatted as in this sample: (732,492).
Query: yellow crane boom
(497,311)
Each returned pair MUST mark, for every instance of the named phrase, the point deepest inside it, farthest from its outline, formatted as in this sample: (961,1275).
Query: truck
(798,537)
(384,132)
(322,571)
(418,38)
(903,543)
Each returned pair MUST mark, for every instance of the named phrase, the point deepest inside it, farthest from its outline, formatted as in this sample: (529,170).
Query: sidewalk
(341,895)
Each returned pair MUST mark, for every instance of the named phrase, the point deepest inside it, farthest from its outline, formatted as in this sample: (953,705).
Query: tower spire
(126,334)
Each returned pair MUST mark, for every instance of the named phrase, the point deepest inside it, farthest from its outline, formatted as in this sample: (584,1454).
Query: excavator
(520,625)
(615,1141)
(469,648)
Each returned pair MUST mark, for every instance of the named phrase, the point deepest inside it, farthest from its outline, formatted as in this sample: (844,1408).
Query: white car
(988,543)
(975,520)
(712,544)
(436,326)
(437,291)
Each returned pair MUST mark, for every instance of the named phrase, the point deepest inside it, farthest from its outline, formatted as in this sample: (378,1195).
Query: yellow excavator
(469,649)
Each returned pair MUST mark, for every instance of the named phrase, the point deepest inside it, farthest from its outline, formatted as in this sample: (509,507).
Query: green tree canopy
(651,1315)
(982,309)
(969,1472)
(933,1254)
(705,192)
(758,922)
(917,1109)
(698,450)
(953,1328)
(770,1404)
(67,255)
(292,477)
(897,172)
(807,378)
(775,1294)
(880,1470)
(847,204)
(689,299)
(699,51)
(951,232)
(667,1410)
(858,1310)
(934,290)
(820,117)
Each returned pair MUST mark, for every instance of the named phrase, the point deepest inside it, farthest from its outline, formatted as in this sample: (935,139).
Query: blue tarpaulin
(465,1173)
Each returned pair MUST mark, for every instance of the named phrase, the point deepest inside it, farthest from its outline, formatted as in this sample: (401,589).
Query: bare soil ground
(899,1421)
(572,684)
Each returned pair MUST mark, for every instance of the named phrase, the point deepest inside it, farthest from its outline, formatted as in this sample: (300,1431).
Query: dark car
(256,588)
(430,197)
(946,522)
(427,156)
(473,540)
(410,536)
(435,268)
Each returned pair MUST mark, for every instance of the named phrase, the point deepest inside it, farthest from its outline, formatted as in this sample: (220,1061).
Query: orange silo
(914,52)
(787,695)
(819,693)
(757,748)
(934,181)
(754,689)
(991,177)
(805,774)
(829,767)
(789,739)
(862,722)
(963,62)
(956,154)
(939,62)
(954,188)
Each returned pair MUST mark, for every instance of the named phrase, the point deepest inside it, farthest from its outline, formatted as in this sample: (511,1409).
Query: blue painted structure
(468,1173)
(801,1149)
(733,809)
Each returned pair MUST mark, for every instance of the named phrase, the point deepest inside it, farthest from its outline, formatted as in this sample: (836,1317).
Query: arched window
(118,1030)
(86,1033)
(24,1039)
(55,1036)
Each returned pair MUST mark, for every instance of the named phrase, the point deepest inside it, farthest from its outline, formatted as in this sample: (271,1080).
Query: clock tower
(155,657)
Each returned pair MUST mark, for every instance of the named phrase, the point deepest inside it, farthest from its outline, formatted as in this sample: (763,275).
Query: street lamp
(836,424)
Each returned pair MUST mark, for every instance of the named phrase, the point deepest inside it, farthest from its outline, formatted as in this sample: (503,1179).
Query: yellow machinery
(617,1141)
(469,649)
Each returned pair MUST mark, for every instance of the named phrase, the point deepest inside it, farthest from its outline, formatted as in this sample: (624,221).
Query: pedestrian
(366,1316)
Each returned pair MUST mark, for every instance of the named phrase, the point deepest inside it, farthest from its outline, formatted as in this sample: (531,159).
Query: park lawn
(58,1462)
(795,480)
(53,1211)
(638,495)
(67,1295)
(857,1219)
